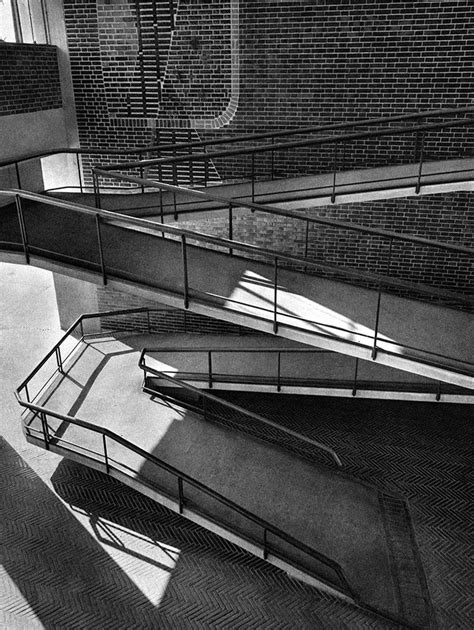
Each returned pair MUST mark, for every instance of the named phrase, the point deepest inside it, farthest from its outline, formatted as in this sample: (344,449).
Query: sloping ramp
(419,337)
(341,518)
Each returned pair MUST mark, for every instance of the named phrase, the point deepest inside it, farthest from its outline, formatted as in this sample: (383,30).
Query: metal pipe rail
(277,379)
(49,439)
(142,364)
(274,257)
(228,140)
(265,148)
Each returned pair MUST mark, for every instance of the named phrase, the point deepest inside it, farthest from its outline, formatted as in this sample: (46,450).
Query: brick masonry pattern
(29,77)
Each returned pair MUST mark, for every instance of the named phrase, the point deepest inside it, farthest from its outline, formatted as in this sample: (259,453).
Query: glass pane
(7,28)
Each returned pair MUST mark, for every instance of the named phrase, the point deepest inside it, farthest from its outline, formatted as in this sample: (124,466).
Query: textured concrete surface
(420,450)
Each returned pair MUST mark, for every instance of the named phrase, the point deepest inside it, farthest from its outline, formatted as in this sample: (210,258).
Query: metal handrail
(228,405)
(241,138)
(211,377)
(274,256)
(43,412)
(274,210)
(192,157)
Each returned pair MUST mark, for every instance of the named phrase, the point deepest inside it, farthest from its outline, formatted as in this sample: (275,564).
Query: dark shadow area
(215,583)
(60,570)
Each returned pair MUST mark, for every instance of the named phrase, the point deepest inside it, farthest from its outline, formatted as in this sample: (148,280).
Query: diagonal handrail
(228,405)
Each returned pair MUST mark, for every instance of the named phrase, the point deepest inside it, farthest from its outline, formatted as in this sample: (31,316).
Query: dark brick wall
(162,319)
(446,218)
(29,78)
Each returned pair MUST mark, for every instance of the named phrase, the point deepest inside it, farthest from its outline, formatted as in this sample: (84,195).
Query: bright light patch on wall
(7,28)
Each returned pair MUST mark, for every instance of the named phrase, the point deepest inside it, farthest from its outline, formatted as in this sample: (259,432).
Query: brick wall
(447,218)
(29,78)
(162,319)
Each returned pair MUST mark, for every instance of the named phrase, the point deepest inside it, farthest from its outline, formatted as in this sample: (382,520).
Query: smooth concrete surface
(329,512)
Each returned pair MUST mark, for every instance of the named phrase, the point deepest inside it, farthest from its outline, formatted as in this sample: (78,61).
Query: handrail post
(209,364)
(21,220)
(27,392)
(185,272)
(279,372)
(82,329)
(231,227)
(107,467)
(141,177)
(333,194)
(272,159)
(95,183)
(59,361)
(175,208)
(101,251)
(17,172)
(420,167)
(265,548)
(44,424)
(377,318)
(148,321)
(206,170)
(78,163)
(180,494)
(354,387)
(438,393)
(275,297)
(253,177)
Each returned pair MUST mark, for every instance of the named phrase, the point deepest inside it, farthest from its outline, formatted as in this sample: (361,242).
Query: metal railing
(52,438)
(339,142)
(271,148)
(271,313)
(230,409)
(274,376)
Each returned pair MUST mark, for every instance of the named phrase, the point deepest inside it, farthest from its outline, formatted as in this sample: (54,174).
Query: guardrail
(274,374)
(51,438)
(339,143)
(97,263)
(229,409)
(272,136)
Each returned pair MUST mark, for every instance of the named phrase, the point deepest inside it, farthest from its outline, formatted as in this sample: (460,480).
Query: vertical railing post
(333,194)
(21,221)
(209,365)
(377,318)
(272,159)
(101,251)
(175,207)
(265,548)
(438,393)
(420,167)
(148,321)
(185,272)
(253,177)
(79,172)
(107,467)
(27,393)
(354,387)
(275,297)
(44,424)
(180,494)
(142,187)
(279,372)
(59,361)
(96,185)
(81,324)
(231,227)
(206,169)
(17,172)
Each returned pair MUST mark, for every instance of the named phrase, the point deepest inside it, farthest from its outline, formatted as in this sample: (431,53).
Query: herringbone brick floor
(114,559)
